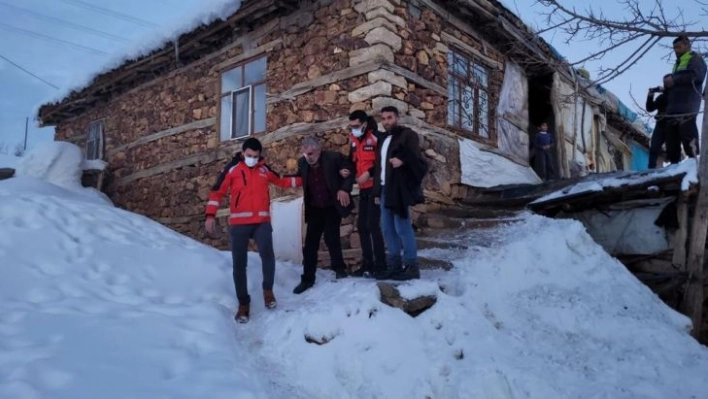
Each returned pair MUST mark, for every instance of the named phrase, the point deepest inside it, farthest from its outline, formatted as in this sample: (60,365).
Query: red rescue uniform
(363,150)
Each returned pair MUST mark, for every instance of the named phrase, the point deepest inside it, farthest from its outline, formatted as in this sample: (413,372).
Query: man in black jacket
(327,201)
(658,136)
(398,178)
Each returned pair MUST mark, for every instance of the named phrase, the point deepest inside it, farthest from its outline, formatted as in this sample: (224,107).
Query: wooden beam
(202,123)
(415,78)
(680,239)
(268,47)
(455,42)
(297,129)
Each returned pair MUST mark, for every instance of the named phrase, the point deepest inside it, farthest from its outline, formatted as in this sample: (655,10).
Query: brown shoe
(269,299)
(243,313)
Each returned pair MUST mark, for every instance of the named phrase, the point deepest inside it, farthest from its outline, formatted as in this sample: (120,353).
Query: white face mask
(358,132)
(251,161)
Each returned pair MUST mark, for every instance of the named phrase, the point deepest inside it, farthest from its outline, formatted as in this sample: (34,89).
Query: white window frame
(95,135)
(250,89)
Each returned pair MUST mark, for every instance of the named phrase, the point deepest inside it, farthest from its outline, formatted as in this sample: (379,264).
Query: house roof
(222,20)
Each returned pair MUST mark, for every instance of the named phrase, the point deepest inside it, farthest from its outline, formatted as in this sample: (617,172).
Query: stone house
(467,75)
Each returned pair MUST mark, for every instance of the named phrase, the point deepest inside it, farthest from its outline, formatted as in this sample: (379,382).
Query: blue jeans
(399,235)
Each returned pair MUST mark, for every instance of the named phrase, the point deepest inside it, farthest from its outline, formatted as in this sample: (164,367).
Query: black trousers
(319,221)
(658,138)
(373,249)
(239,236)
(681,130)
(544,164)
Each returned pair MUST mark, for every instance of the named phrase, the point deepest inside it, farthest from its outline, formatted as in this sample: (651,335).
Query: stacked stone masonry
(314,42)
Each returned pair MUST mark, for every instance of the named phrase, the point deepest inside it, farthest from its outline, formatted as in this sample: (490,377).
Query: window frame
(99,139)
(453,77)
(251,87)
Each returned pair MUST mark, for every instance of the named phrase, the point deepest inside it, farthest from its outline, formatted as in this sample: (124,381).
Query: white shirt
(384,160)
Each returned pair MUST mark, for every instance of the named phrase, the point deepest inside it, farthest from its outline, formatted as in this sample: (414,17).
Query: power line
(65,23)
(114,14)
(52,39)
(26,71)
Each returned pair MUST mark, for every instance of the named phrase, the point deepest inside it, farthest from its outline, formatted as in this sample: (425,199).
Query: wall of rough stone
(318,40)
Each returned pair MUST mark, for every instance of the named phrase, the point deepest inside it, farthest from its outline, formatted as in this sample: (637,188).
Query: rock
(427,106)
(335,87)
(414,307)
(435,37)
(366,27)
(372,90)
(314,72)
(423,58)
(380,102)
(373,53)
(441,48)
(6,173)
(388,76)
(416,113)
(369,5)
(319,340)
(383,13)
(384,36)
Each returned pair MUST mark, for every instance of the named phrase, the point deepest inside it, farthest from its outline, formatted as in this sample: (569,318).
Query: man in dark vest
(684,97)
(398,177)
(362,153)
(327,201)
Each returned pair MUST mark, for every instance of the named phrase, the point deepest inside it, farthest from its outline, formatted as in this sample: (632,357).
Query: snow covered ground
(8,161)
(98,302)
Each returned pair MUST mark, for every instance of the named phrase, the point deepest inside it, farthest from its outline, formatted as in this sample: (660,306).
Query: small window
(468,95)
(94,141)
(243,100)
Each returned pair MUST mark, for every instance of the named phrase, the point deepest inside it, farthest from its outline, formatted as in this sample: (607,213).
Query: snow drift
(8,161)
(99,302)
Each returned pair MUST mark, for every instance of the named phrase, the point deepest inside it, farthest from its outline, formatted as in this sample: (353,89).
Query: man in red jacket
(362,153)
(246,179)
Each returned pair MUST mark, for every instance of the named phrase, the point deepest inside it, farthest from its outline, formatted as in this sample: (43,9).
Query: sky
(64,40)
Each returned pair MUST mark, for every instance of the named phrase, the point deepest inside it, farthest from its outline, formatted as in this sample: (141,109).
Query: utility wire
(52,39)
(64,22)
(114,14)
(27,72)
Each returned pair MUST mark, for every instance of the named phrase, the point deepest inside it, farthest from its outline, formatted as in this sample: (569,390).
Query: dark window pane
(259,108)
(225,123)
(231,80)
(241,114)
(255,71)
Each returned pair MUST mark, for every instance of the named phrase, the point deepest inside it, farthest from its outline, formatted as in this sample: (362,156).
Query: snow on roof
(687,169)
(205,13)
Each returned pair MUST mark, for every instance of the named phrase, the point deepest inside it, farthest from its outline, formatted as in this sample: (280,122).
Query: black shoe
(339,274)
(303,286)
(360,272)
(409,272)
(386,274)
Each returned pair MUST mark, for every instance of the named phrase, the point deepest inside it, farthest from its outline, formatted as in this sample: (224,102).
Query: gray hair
(311,142)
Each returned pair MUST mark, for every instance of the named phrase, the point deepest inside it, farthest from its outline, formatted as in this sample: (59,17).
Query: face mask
(358,132)
(251,161)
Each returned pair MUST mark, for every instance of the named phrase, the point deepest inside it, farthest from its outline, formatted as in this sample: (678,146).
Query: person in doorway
(544,160)
(685,85)
(398,177)
(327,201)
(658,136)
(362,153)
(246,179)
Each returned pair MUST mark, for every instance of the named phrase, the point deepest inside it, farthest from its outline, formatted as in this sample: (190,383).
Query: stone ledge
(382,35)
(368,5)
(377,52)
(379,88)
(366,27)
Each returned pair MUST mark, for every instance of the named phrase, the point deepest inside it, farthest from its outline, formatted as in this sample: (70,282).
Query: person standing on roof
(684,97)
(246,179)
(362,153)
(658,136)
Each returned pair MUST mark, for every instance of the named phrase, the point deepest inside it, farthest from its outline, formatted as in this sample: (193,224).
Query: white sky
(57,62)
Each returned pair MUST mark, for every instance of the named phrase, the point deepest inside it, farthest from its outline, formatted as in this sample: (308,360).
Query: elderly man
(327,201)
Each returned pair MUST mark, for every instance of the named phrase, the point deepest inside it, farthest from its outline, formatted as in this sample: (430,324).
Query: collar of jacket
(682,61)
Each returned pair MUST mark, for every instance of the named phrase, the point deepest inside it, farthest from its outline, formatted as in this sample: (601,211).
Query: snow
(99,302)
(688,168)
(206,12)
(8,161)
(61,164)
(486,169)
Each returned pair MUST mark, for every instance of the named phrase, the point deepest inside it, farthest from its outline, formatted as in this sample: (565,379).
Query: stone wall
(175,173)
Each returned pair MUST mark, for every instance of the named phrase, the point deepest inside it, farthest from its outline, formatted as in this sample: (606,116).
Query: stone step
(439,221)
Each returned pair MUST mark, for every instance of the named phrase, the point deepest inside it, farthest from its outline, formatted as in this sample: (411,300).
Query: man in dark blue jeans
(398,176)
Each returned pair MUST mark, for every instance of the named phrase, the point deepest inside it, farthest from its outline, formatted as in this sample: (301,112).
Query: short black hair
(668,75)
(252,143)
(359,115)
(390,108)
(682,39)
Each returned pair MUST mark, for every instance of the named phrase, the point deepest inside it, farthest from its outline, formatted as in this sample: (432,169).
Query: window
(94,141)
(468,95)
(243,100)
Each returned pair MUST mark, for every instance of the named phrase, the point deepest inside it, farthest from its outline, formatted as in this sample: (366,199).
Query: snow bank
(206,12)
(485,169)
(61,164)
(689,168)
(99,302)
(8,161)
